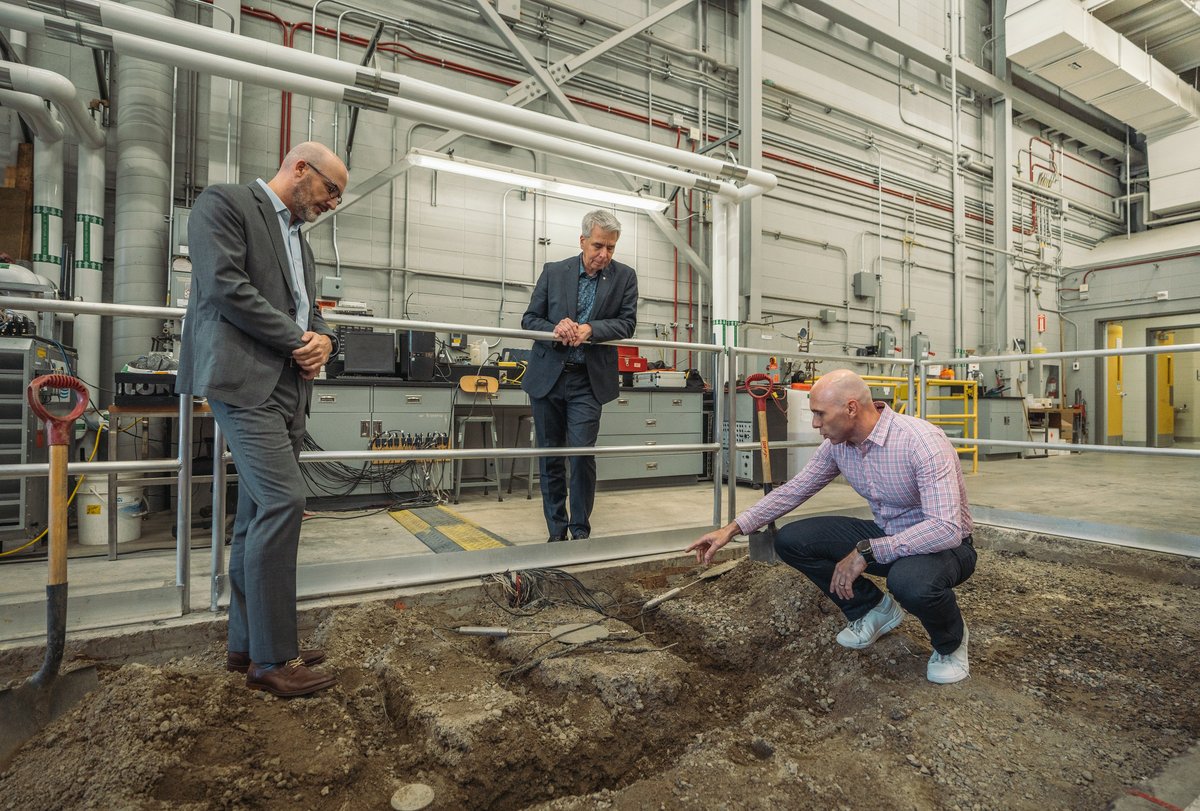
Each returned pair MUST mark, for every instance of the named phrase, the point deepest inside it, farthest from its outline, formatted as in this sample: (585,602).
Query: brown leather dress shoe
(238,662)
(288,679)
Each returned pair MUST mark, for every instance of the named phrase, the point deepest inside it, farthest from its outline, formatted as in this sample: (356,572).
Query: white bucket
(91,509)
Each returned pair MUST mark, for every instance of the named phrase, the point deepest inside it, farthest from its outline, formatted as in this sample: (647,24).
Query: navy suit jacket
(614,316)
(240,327)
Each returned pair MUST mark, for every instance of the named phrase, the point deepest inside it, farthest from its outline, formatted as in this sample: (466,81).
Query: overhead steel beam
(856,17)
(562,71)
(497,23)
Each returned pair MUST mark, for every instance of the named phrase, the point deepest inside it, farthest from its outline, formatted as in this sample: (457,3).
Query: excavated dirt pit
(734,695)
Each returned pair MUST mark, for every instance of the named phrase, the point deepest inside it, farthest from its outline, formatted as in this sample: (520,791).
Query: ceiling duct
(1061,42)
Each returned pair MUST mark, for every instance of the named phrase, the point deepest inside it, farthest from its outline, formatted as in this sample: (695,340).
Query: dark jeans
(567,417)
(922,584)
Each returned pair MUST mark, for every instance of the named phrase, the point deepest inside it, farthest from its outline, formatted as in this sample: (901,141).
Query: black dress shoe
(238,662)
(554,538)
(581,536)
(288,679)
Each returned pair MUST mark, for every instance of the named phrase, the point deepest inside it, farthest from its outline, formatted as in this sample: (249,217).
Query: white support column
(89,257)
(750,24)
(47,208)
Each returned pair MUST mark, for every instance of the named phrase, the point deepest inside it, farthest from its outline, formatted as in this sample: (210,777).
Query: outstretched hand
(706,547)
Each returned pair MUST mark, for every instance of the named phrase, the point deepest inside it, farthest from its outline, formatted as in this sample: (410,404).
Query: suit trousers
(265,442)
(569,416)
(922,584)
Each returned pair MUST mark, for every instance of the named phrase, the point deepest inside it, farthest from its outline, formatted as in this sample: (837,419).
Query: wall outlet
(1075,366)
(1162,295)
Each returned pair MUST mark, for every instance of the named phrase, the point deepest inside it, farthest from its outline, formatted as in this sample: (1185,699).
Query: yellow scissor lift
(964,415)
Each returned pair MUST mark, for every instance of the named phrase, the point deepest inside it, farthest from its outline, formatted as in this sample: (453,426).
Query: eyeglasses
(335,191)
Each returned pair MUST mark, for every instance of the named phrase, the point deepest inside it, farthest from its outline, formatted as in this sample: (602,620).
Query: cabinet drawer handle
(651,422)
(327,398)
(622,401)
(412,398)
(652,466)
(652,442)
(677,402)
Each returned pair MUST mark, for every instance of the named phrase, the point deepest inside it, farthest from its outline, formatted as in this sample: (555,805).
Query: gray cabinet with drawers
(648,418)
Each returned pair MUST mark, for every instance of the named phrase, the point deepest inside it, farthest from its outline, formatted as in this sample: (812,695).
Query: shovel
(762,542)
(27,708)
(707,574)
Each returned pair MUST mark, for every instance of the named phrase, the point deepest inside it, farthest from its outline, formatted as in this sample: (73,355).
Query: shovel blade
(762,546)
(27,709)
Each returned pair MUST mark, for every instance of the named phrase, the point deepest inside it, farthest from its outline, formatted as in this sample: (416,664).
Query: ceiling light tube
(502,174)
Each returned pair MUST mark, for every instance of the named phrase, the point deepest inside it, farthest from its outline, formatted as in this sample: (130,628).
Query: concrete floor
(1114,497)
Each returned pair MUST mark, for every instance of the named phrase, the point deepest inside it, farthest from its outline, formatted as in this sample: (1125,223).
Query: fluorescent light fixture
(502,174)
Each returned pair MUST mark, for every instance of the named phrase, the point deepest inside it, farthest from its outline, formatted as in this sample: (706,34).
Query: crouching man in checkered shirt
(920,539)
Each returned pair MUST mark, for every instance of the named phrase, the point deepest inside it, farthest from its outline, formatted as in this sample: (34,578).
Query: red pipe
(405,50)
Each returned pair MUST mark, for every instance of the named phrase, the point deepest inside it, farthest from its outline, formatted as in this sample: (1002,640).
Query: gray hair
(606,221)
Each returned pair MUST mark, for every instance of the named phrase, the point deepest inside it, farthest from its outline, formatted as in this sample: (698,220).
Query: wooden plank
(24,174)
(16,223)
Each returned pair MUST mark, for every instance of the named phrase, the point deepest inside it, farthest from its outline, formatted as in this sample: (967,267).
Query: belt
(574,367)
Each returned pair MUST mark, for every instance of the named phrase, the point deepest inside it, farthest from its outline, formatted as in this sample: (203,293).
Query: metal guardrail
(722,462)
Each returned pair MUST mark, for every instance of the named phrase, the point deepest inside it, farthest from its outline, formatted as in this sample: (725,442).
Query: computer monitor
(369,353)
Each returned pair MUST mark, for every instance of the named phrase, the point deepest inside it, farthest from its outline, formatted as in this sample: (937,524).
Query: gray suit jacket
(614,316)
(240,327)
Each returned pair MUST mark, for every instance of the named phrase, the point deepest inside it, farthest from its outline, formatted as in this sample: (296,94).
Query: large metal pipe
(143,196)
(33,111)
(89,202)
(125,18)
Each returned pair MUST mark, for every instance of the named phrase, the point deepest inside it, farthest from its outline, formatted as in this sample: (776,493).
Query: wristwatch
(864,549)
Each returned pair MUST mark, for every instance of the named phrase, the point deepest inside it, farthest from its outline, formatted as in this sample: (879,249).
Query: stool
(530,461)
(488,424)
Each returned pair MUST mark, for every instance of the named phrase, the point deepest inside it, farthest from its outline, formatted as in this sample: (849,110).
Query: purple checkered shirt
(906,470)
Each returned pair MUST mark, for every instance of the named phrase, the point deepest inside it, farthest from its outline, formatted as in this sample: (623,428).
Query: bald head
(310,181)
(842,407)
(842,386)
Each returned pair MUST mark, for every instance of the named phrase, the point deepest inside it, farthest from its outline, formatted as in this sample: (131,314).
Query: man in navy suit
(584,301)
(253,340)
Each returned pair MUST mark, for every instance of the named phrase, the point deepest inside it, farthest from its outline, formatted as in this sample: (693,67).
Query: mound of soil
(732,696)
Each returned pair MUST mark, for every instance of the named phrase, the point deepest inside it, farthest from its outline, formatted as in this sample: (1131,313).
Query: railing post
(183,503)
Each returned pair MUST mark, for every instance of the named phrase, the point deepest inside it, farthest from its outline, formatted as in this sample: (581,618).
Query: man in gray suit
(253,340)
(583,300)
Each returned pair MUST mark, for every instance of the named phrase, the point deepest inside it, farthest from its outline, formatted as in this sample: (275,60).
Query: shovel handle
(760,393)
(58,426)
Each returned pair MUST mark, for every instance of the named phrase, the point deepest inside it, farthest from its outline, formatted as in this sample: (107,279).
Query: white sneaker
(951,667)
(860,633)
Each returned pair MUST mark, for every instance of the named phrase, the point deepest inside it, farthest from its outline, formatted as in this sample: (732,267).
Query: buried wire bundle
(527,591)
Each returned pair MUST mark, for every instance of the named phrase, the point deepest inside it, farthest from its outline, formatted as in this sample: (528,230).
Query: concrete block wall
(463,250)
